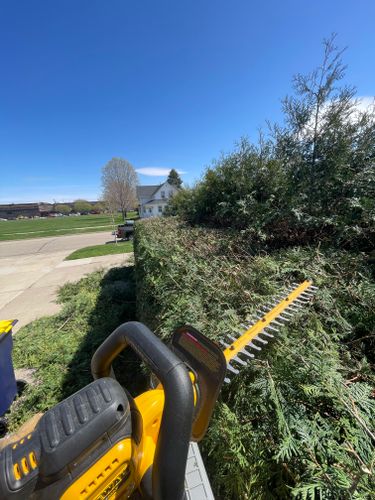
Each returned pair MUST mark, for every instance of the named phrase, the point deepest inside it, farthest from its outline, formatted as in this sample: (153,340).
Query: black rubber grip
(168,472)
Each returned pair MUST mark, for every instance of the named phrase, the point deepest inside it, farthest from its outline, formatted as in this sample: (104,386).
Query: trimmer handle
(169,466)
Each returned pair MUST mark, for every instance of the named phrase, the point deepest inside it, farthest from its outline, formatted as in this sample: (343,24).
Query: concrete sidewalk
(31,295)
(31,273)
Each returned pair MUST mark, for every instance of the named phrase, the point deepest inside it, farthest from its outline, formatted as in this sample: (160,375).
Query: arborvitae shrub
(299,421)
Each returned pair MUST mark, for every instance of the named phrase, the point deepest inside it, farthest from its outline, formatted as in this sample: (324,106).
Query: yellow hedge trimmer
(100,443)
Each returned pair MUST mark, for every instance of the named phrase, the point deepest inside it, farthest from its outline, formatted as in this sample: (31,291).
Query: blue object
(8,384)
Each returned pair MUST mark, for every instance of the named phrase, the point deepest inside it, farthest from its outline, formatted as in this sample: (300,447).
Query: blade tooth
(245,326)
(242,332)
(275,322)
(295,306)
(253,346)
(280,296)
(288,314)
(282,299)
(301,301)
(259,314)
(271,306)
(259,339)
(270,327)
(227,380)
(312,287)
(281,316)
(307,295)
(247,353)
(266,308)
(263,332)
(232,369)
(250,351)
(223,343)
(295,284)
(277,298)
(230,337)
(240,361)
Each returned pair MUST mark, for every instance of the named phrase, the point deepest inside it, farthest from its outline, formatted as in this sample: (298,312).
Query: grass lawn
(107,249)
(59,348)
(56,226)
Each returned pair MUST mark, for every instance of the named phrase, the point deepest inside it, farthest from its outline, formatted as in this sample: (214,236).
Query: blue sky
(164,84)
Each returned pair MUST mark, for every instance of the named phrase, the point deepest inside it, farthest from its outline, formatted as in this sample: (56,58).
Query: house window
(150,210)
(163,194)
(160,209)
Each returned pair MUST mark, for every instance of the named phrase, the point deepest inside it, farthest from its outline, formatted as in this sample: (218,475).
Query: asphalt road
(31,271)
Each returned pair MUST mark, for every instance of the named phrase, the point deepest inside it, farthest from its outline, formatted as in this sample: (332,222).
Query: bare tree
(119,181)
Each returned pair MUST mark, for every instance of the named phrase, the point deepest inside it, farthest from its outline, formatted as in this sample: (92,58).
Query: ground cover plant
(298,422)
(58,349)
(56,226)
(97,250)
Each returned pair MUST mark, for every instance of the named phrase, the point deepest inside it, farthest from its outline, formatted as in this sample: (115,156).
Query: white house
(152,200)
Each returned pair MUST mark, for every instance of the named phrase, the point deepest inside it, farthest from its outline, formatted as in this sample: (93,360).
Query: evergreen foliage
(312,179)
(174,178)
(299,421)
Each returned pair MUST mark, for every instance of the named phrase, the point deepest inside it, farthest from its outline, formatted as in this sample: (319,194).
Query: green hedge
(299,421)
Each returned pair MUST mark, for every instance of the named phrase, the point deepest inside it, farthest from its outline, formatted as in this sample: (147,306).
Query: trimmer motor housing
(67,440)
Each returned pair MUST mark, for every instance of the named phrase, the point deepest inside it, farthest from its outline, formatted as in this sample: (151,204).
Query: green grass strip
(57,226)
(97,250)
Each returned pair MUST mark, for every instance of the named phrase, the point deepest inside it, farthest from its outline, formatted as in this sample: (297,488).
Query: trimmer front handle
(169,465)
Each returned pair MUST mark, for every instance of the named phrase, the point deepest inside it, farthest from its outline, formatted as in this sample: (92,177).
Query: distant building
(14,210)
(152,200)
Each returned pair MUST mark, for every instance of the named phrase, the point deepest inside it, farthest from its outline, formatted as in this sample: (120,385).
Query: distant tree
(100,207)
(327,149)
(63,209)
(174,178)
(184,204)
(82,206)
(119,181)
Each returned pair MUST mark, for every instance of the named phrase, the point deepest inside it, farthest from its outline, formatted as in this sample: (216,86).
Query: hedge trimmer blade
(241,348)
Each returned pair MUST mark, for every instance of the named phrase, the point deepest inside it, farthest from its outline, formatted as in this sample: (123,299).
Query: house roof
(147,191)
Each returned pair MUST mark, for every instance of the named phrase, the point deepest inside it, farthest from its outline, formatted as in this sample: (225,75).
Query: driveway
(31,271)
